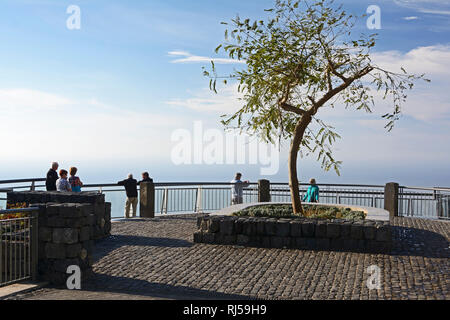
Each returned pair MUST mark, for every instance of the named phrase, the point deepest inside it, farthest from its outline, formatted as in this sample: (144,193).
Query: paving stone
(147,260)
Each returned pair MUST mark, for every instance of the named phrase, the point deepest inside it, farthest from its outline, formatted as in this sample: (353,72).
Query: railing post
(33,186)
(165,201)
(147,200)
(198,200)
(34,245)
(263,190)
(391,199)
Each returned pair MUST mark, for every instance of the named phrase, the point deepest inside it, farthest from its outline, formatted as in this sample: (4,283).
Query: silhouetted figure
(237,190)
(52,176)
(130,185)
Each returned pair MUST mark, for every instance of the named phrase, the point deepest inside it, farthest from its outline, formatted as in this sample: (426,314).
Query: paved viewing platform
(157,259)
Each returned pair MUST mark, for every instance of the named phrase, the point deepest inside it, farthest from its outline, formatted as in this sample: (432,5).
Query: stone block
(321,229)
(55,251)
(249,227)
(70,210)
(337,244)
(56,222)
(369,231)
(311,243)
(45,234)
(265,241)
(383,233)
(239,225)
(276,242)
(198,237)
(85,233)
(356,231)
(227,226)
(296,228)
(260,226)
(52,209)
(214,225)
(65,235)
(229,239)
(270,227)
(346,230)
(86,209)
(88,246)
(323,243)
(199,222)
(333,230)
(90,220)
(308,228)
(299,243)
(242,240)
(283,228)
(209,237)
(74,222)
(73,250)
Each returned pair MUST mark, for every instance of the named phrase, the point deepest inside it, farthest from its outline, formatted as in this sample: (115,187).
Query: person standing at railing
(237,190)
(312,194)
(145,178)
(130,185)
(74,181)
(62,184)
(52,176)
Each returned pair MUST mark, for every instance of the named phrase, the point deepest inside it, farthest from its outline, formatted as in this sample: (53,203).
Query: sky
(118,94)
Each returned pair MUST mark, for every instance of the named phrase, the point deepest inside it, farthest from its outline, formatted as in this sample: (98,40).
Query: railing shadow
(113,242)
(103,283)
(419,242)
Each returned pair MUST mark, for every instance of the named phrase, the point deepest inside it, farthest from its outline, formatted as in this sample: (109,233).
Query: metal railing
(424,202)
(186,197)
(18,245)
(361,195)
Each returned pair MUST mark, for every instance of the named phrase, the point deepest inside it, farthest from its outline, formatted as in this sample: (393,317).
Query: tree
(302,58)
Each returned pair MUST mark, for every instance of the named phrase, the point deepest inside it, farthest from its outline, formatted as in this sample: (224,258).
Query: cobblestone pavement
(157,259)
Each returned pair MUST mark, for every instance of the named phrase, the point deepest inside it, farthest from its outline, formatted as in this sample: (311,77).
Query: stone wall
(102,210)
(65,237)
(303,233)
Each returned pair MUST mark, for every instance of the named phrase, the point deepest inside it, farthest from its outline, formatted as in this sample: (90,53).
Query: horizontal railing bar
(427,188)
(22,180)
(332,184)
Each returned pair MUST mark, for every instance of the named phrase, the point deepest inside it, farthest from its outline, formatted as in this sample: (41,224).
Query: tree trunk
(300,128)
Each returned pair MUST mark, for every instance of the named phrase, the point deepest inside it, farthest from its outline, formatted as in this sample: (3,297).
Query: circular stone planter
(375,214)
(370,235)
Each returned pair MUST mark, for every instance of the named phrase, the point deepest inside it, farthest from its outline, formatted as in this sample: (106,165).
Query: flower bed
(309,211)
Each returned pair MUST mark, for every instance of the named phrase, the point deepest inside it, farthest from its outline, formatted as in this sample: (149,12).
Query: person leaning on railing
(74,181)
(130,185)
(52,176)
(62,184)
(312,194)
(237,190)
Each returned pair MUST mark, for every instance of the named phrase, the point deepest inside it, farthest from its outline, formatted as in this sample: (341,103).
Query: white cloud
(37,124)
(410,18)
(427,101)
(190,58)
(439,7)
(224,102)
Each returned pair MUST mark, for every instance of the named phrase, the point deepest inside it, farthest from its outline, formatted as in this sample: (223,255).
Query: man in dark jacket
(130,185)
(52,176)
(145,178)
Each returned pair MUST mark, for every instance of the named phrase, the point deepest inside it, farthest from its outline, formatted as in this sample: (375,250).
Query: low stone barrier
(101,209)
(66,237)
(298,233)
